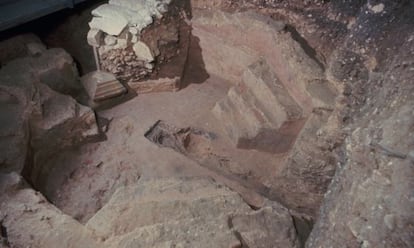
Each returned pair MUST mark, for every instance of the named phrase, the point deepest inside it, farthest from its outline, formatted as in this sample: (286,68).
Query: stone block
(110,40)
(102,85)
(143,52)
(133,30)
(16,47)
(156,85)
(61,75)
(95,37)
(257,229)
(35,48)
(111,25)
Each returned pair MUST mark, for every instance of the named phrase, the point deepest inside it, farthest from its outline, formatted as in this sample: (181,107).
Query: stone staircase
(259,113)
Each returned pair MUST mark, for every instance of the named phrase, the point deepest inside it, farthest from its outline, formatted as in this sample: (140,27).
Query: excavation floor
(85,178)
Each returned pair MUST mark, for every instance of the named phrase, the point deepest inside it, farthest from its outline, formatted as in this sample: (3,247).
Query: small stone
(134,39)
(143,52)
(133,30)
(376,8)
(410,155)
(95,37)
(389,221)
(149,66)
(10,181)
(122,43)
(365,244)
(35,49)
(110,40)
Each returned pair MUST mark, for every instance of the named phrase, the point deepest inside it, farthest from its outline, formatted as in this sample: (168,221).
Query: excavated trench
(226,54)
(262,123)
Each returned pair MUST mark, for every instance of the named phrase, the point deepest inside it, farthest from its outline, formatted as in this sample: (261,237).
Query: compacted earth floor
(84,178)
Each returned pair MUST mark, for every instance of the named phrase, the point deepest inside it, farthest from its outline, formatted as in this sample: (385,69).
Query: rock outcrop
(186,212)
(22,209)
(20,46)
(258,229)
(38,119)
(57,69)
(370,201)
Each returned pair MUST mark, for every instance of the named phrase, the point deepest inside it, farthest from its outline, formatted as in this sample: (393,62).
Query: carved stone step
(270,92)
(258,113)
(228,114)
(249,111)
(102,85)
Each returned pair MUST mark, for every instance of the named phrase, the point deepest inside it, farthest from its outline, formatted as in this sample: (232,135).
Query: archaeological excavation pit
(178,123)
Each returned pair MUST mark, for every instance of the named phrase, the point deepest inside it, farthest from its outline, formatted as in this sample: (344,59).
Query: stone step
(252,115)
(134,207)
(193,232)
(270,92)
(259,106)
(102,85)
(231,119)
(258,113)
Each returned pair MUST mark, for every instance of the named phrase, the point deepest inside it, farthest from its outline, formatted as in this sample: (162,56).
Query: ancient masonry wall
(134,37)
